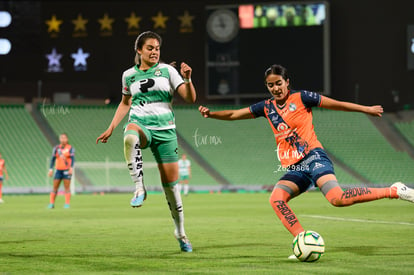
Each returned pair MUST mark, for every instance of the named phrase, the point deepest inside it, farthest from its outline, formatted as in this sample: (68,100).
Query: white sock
(186,188)
(179,187)
(133,158)
(175,203)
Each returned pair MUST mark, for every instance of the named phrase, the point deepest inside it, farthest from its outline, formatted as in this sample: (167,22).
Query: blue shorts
(62,175)
(308,170)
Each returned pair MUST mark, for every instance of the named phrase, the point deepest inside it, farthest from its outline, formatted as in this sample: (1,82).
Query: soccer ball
(308,246)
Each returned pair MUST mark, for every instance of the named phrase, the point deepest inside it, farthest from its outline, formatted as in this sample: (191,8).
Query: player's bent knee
(130,140)
(337,202)
(336,199)
(275,195)
(281,193)
(333,193)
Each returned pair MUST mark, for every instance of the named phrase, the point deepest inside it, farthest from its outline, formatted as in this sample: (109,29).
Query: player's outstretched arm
(226,114)
(120,113)
(333,104)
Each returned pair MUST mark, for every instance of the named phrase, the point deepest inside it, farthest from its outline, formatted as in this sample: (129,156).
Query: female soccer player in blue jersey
(290,117)
(148,89)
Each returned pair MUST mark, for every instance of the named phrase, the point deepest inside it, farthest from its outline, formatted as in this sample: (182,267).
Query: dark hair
(277,69)
(140,41)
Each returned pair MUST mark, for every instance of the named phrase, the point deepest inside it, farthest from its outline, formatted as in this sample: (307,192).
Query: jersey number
(145,84)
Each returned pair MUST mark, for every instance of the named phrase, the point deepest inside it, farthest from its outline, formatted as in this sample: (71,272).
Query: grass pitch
(230,233)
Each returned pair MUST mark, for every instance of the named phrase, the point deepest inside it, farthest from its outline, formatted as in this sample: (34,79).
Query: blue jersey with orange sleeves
(291,124)
(64,157)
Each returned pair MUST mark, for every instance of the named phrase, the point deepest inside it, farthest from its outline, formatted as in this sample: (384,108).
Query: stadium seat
(352,138)
(407,129)
(24,147)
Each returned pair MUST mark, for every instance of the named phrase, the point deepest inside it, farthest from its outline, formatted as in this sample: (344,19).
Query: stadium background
(369,64)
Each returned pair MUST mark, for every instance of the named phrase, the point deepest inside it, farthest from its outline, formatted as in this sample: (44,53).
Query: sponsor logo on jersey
(275,118)
(282,127)
(292,107)
(311,94)
(283,112)
(158,73)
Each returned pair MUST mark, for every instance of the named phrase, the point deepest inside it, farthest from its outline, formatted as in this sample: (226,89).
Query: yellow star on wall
(133,21)
(106,22)
(159,20)
(80,23)
(53,24)
(186,20)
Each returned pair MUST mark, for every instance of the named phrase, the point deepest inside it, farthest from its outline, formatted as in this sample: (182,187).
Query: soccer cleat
(139,198)
(66,206)
(404,192)
(51,206)
(184,242)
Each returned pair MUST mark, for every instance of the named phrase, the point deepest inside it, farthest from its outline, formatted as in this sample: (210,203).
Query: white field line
(355,220)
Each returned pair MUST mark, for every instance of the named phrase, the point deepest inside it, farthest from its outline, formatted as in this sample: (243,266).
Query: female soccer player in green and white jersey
(184,169)
(148,89)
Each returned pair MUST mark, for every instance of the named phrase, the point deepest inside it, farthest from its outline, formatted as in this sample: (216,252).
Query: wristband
(187,80)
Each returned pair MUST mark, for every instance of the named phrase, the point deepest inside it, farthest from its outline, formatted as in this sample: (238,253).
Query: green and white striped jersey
(183,166)
(152,93)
